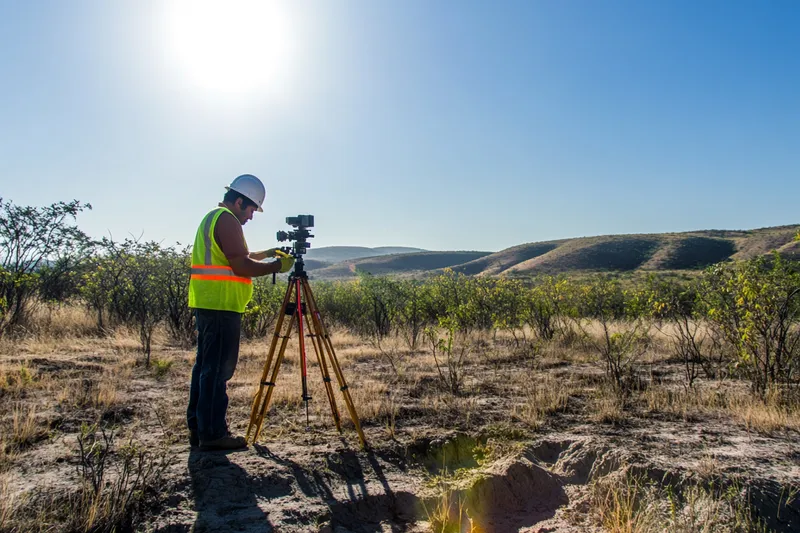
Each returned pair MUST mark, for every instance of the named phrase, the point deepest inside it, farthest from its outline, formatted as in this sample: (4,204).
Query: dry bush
(125,340)
(391,350)
(451,355)
(450,411)
(362,353)
(119,341)
(374,402)
(115,484)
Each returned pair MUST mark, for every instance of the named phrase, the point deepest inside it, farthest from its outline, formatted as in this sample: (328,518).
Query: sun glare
(230,49)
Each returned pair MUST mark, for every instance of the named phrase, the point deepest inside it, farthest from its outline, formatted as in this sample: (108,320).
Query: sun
(229,49)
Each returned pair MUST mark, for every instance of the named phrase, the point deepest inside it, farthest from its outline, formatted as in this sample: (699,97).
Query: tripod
(299,304)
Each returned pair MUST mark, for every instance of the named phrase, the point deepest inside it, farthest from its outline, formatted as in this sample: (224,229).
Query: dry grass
(501,389)
(24,427)
(607,406)
(6,455)
(61,321)
(625,503)
(686,404)
(171,422)
(765,416)
(373,398)
(102,392)
(120,341)
(7,503)
(541,397)
(15,381)
(707,467)
(447,512)
(556,352)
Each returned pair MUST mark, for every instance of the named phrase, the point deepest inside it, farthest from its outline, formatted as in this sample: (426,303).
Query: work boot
(228,442)
(194,440)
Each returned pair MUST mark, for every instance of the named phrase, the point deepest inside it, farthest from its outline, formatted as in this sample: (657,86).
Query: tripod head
(300,236)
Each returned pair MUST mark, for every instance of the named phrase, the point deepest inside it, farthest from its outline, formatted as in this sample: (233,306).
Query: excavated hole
(506,495)
(465,493)
(446,454)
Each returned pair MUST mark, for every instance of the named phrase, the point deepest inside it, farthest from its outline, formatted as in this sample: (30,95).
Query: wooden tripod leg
(273,378)
(315,332)
(256,408)
(337,369)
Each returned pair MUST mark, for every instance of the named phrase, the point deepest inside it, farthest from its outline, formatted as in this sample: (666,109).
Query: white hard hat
(251,187)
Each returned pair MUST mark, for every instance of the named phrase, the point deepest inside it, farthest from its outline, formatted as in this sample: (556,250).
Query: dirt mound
(582,463)
(514,493)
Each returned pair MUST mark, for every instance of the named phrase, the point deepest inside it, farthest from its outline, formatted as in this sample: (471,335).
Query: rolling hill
(609,253)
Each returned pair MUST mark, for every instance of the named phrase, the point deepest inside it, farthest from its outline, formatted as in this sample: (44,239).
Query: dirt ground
(525,445)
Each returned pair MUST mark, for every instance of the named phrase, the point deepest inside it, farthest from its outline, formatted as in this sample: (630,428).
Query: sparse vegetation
(634,503)
(507,359)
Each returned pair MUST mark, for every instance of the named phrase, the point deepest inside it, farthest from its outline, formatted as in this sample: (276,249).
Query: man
(219,289)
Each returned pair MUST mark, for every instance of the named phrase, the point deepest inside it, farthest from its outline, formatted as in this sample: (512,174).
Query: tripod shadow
(360,510)
(226,497)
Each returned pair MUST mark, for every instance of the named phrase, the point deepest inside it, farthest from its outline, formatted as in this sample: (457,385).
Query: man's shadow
(226,498)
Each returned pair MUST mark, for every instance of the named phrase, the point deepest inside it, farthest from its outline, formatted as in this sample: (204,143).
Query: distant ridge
(686,251)
(335,254)
(398,264)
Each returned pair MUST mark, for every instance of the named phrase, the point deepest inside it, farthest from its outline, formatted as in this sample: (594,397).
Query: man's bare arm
(263,254)
(229,236)
(244,266)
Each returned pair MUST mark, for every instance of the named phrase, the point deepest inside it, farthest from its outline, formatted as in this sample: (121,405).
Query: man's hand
(264,254)
(287,262)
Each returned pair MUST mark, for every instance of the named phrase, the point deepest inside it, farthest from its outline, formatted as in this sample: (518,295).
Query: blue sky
(440,124)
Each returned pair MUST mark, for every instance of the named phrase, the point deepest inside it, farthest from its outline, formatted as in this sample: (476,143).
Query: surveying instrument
(300,306)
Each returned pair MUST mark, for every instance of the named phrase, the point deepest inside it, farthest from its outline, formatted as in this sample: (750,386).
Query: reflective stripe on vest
(217,273)
(213,284)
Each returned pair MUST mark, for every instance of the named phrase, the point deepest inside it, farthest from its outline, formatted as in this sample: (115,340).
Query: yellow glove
(287,262)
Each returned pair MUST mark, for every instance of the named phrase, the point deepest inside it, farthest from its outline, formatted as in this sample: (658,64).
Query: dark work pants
(217,355)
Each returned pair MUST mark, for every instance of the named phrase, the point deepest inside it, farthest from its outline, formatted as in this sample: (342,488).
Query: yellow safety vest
(213,285)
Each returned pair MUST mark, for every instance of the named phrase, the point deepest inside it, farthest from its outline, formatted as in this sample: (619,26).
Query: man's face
(244,213)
